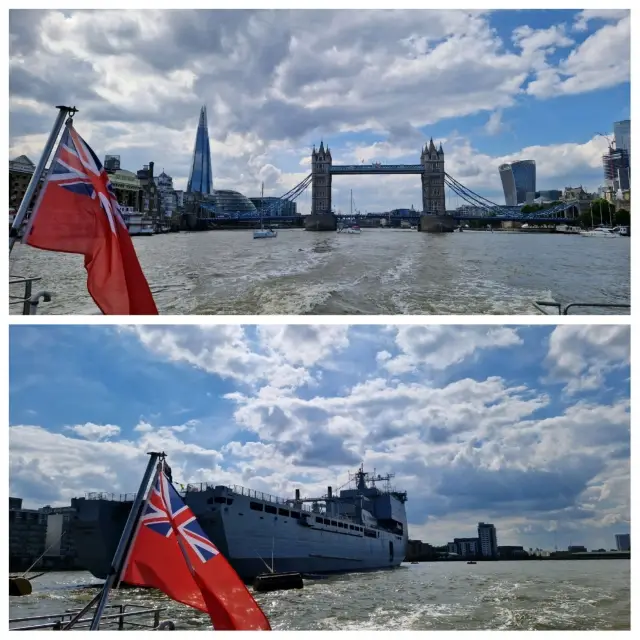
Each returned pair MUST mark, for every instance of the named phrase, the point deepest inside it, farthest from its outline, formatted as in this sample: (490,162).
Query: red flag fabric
(172,553)
(77,212)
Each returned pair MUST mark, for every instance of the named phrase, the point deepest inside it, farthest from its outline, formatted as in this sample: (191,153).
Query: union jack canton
(167,514)
(77,168)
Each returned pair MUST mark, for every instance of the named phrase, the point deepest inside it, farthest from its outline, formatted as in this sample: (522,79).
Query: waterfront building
(577,548)
(27,535)
(150,204)
(167,194)
(277,206)
(200,176)
(466,547)
(578,193)
(126,186)
(59,544)
(518,179)
(623,542)
(20,171)
(418,550)
(227,201)
(488,540)
(622,134)
(550,195)
(512,551)
(111,163)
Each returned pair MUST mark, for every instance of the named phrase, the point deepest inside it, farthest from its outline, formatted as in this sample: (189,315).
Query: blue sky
(526,427)
(493,86)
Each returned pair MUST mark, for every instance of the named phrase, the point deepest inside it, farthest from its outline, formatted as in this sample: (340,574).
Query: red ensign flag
(172,553)
(77,212)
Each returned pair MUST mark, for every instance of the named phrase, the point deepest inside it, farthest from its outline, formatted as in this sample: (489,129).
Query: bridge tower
(432,160)
(321,181)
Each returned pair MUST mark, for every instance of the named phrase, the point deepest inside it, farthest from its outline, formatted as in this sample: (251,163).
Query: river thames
(525,595)
(377,272)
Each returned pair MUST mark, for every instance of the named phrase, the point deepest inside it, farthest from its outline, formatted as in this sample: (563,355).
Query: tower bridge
(434,181)
(431,170)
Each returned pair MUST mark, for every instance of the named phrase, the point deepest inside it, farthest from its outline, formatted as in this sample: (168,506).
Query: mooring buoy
(19,587)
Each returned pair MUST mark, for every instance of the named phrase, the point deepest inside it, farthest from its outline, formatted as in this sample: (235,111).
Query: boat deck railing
(110,497)
(28,299)
(250,493)
(115,617)
(544,307)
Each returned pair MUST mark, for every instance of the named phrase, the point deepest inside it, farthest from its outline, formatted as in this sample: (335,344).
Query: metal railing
(110,497)
(28,299)
(542,306)
(118,619)
(249,493)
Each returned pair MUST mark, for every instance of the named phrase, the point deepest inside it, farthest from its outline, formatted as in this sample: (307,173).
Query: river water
(526,595)
(377,272)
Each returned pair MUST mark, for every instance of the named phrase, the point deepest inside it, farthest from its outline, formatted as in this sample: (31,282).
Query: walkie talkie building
(200,176)
(518,179)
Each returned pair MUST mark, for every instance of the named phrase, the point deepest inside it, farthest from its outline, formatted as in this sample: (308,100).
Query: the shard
(200,176)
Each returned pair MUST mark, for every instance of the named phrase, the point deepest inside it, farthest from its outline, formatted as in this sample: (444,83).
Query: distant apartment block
(488,540)
(465,547)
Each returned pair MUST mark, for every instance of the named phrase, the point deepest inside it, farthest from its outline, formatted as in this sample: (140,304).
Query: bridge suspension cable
(290,195)
(484,203)
(470,196)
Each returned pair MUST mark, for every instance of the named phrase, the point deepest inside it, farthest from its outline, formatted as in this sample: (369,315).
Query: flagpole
(125,539)
(38,173)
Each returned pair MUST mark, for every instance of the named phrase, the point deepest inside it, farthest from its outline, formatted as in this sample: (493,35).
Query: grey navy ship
(362,528)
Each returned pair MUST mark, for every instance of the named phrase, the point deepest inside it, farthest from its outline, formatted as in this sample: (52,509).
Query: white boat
(264,233)
(565,228)
(622,231)
(600,232)
(135,222)
(353,227)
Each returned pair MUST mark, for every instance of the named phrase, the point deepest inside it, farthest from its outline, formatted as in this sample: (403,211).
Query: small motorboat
(472,562)
(264,233)
(414,562)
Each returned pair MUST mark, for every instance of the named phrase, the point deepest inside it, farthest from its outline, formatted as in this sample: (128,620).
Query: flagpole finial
(70,110)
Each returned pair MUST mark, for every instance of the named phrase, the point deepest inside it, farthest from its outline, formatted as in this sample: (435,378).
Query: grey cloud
(54,89)
(325,449)
(531,489)
(24,27)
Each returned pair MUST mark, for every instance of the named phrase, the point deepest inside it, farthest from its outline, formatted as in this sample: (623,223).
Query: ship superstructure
(362,528)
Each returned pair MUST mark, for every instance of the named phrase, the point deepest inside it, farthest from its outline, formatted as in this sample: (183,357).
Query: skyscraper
(200,176)
(518,179)
(623,542)
(622,133)
(616,168)
(488,540)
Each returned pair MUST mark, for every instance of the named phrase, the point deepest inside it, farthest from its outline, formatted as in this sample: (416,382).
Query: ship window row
(220,500)
(340,525)
(258,506)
